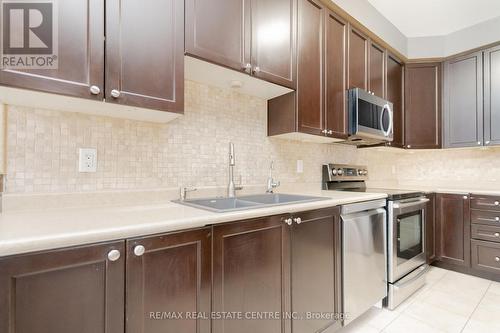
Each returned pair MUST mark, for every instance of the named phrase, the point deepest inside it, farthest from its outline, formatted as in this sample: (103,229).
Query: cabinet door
(463,101)
(310,102)
(219,31)
(251,273)
(357,74)
(273,41)
(145,53)
(316,269)
(71,290)
(430,228)
(423,106)
(492,96)
(453,228)
(377,70)
(172,275)
(395,94)
(335,75)
(80,54)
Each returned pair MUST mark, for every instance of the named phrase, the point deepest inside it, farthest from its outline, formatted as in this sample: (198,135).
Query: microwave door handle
(387,108)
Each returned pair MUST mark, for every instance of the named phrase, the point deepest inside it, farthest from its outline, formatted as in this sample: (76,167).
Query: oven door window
(410,236)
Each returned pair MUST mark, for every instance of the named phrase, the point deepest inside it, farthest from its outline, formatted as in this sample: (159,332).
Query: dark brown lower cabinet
(316,265)
(169,274)
(430,228)
(69,290)
(251,274)
(453,229)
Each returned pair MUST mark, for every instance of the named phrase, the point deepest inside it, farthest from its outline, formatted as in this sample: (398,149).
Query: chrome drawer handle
(114,255)
(139,250)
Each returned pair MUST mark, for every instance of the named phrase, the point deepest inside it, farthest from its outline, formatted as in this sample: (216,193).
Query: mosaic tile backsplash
(42,151)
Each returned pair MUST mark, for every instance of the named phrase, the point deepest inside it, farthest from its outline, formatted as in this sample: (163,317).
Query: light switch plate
(87,161)
(300,166)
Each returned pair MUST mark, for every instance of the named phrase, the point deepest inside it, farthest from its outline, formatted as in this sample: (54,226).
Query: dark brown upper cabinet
(145,54)
(335,75)
(251,272)
(219,31)
(395,94)
(463,101)
(257,36)
(80,55)
(71,290)
(422,114)
(310,87)
(377,72)
(453,229)
(169,273)
(358,66)
(317,107)
(317,236)
(492,96)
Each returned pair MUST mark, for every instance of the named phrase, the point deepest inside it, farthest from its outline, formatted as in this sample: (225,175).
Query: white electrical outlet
(300,166)
(87,160)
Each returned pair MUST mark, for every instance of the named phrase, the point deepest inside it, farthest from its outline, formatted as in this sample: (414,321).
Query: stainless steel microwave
(370,118)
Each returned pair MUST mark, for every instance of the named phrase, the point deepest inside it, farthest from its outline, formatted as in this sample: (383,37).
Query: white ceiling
(420,18)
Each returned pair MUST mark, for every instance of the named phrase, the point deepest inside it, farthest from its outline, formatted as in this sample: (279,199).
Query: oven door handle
(411,203)
(422,271)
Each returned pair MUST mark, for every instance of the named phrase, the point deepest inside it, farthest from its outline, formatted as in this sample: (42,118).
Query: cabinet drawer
(486,232)
(485,217)
(485,202)
(486,256)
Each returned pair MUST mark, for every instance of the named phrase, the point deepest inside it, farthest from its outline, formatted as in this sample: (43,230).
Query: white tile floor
(450,302)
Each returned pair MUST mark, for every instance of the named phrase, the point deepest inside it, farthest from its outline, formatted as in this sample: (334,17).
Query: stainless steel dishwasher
(364,257)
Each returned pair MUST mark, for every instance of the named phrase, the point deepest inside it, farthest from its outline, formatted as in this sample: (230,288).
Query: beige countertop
(29,231)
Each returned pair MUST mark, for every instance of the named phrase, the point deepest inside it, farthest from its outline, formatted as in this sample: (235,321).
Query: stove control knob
(360,172)
(334,172)
(365,172)
(340,172)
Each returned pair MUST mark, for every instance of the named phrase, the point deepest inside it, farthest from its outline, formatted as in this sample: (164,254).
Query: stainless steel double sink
(221,205)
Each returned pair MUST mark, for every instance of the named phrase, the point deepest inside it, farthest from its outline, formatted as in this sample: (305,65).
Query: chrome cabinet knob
(466,197)
(497,203)
(256,69)
(487,142)
(115,93)
(114,255)
(289,221)
(324,131)
(298,220)
(247,67)
(330,132)
(496,234)
(95,90)
(479,143)
(497,218)
(497,259)
(139,250)
(408,146)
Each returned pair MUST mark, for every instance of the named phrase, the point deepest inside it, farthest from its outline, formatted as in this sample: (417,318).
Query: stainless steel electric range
(406,266)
